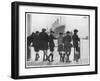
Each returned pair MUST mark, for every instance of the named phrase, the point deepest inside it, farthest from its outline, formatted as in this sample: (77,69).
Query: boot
(37,57)
(51,55)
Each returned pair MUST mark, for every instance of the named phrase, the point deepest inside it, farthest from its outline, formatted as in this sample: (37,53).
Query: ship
(58,26)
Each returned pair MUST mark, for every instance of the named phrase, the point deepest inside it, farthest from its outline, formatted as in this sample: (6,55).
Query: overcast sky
(39,21)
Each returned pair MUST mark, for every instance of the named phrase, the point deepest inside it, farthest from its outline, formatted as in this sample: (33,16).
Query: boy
(67,45)
(76,41)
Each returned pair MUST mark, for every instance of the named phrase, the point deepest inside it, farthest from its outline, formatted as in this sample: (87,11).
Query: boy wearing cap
(76,41)
(51,45)
(60,47)
(36,45)
(43,44)
(67,45)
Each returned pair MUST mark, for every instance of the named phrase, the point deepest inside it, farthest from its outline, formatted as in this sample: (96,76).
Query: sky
(35,22)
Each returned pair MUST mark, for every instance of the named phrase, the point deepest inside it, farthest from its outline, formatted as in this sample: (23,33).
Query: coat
(35,42)
(60,43)
(67,43)
(76,39)
(43,41)
(51,42)
(29,40)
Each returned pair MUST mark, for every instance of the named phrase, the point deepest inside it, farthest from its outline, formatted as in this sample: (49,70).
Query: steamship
(58,26)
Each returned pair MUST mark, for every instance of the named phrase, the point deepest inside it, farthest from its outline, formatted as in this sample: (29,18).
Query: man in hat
(67,45)
(76,41)
(44,43)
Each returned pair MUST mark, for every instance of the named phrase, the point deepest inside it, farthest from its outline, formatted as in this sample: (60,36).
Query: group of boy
(43,41)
